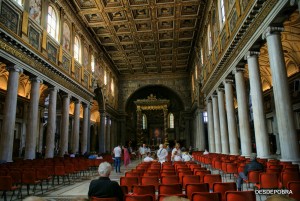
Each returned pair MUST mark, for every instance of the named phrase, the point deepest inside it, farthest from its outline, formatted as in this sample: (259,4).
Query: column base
(246,155)
(264,157)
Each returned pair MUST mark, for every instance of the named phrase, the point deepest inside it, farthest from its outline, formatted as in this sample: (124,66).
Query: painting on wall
(9,18)
(66,63)
(35,10)
(52,52)
(66,37)
(85,57)
(34,37)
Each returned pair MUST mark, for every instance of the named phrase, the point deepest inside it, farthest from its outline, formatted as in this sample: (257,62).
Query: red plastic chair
(7,185)
(192,188)
(169,189)
(267,181)
(59,171)
(202,173)
(129,182)
(132,174)
(253,177)
(150,181)
(139,198)
(240,195)
(287,177)
(294,186)
(124,189)
(202,196)
(29,178)
(220,187)
(181,174)
(190,179)
(170,180)
(144,190)
(211,179)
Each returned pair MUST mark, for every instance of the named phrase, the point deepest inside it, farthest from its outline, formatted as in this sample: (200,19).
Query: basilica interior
(83,76)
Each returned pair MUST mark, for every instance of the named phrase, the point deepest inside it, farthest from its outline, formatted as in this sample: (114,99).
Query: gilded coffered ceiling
(144,36)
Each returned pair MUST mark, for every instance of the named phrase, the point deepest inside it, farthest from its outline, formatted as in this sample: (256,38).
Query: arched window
(144,122)
(19,2)
(92,63)
(105,77)
(52,27)
(221,12)
(112,87)
(196,72)
(77,49)
(171,120)
(209,39)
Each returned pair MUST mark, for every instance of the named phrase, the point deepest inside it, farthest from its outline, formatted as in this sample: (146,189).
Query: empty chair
(139,198)
(170,189)
(162,197)
(132,174)
(287,177)
(144,190)
(190,179)
(163,174)
(104,199)
(124,189)
(29,178)
(129,182)
(59,171)
(267,181)
(202,173)
(211,179)
(170,180)
(240,195)
(220,187)
(192,188)
(151,174)
(150,181)
(294,186)
(181,174)
(7,185)
(202,196)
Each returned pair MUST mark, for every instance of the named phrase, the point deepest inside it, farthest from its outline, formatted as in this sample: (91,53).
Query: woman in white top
(176,153)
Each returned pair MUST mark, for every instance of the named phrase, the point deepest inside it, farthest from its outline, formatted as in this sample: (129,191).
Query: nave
(215,173)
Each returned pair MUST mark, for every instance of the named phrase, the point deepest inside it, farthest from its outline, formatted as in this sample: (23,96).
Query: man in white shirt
(205,152)
(143,151)
(162,153)
(148,158)
(118,153)
(186,157)
(176,153)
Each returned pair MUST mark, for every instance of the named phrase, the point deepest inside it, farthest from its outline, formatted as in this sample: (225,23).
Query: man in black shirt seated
(104,187)
(252,166)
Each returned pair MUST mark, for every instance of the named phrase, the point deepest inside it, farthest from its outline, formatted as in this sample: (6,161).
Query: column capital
(66,96)
(238,70)
(86,105)
(215,94)
(15,68)
(102,112)
(221,89)
(251,54)
(208,99)
(271,30)
(36,79)
(53,88)
(77,101)
(228,81)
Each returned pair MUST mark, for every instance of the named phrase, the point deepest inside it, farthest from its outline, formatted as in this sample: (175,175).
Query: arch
(131,96)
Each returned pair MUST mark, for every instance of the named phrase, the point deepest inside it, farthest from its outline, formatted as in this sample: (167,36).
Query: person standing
(118,153)
(126,156)
(162,154)
(104,187)
(143,151)
(176,153)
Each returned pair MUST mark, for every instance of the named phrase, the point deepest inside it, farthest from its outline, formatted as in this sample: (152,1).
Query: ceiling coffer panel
(144,36)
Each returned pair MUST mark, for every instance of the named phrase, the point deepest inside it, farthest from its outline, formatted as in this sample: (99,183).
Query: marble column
(165,111)
(76,125)
(261,135)
(218,145)
(9,117)
(85,128)
(32,125)
(243,112)
(201,132)
(223,121)
(64,136)
(211,135)
(286,126)
(108,134)
(102,139)
(232,128)
(41,131)
(51,124)
(113,133)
